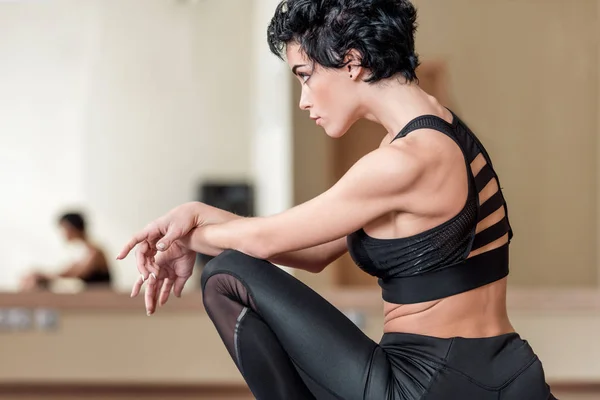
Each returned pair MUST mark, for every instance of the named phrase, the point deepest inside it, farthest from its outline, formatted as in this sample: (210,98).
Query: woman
(423,212)
(92,268)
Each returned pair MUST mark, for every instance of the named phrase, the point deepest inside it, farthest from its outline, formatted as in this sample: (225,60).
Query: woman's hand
(160,233)
(168,270)
(162,258)
(177,223)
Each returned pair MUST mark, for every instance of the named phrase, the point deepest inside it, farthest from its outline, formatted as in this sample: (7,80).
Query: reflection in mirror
(119,110)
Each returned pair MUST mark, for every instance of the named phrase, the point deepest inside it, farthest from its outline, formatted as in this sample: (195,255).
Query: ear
(353,61)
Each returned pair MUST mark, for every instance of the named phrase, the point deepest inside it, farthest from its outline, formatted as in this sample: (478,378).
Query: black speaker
(235,197)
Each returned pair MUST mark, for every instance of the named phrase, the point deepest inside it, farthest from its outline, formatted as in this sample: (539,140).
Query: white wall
(272,118)
(272,133)
(44,51)
(122,107)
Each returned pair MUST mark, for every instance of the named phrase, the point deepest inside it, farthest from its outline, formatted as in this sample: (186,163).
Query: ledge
(106,300)
(366,300)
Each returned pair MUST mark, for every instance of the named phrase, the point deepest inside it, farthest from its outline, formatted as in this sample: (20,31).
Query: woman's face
(328,94)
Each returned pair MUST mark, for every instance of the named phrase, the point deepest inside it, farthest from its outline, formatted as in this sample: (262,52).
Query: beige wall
(313,173)
(598,141)
(525,76)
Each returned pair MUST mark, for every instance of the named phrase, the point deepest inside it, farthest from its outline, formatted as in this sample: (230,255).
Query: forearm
(209,215)
(205,216)
(212,238)
(241,236)
(313,259)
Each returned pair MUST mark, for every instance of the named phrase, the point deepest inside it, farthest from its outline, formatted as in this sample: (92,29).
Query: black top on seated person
(92,268)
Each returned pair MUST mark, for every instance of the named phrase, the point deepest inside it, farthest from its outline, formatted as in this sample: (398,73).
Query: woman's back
(438,229)
(453,334)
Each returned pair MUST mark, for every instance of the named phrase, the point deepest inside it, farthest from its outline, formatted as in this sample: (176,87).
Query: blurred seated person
(91,269)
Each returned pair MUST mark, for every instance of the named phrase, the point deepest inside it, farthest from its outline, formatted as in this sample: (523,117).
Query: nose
(304,101)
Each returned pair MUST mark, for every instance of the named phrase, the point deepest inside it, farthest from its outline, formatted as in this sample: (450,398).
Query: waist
(447,281)
(97,276)
(476,313)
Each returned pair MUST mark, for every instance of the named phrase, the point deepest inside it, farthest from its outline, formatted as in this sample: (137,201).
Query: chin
(335,132)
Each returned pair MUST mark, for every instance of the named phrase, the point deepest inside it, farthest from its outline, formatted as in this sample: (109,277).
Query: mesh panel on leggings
(225,299)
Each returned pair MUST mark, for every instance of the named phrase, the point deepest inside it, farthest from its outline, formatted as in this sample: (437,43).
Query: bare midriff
(477,313)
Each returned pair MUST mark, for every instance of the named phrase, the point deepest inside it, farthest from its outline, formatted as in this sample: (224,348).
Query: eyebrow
(296,67)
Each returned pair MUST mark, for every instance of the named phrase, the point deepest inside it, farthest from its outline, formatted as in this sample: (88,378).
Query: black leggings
(289,343)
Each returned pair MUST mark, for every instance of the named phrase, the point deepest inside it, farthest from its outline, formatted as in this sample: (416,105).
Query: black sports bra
(434,264)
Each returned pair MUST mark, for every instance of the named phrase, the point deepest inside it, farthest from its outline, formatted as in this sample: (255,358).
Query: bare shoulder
(96,252)
(428,147)
(387,169)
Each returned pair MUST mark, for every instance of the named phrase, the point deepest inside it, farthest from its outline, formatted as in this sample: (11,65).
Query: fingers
(143,252)
(152,267)
(150,295)
(171,236)
(179,284)
(165,291)
(149,272)
(140,237)
(137,286)
(150,233)
(163,262)
(159,285)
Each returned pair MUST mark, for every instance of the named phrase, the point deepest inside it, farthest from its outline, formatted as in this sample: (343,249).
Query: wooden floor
(577,396)
(133,397)
(560,396)
(214,394)
(124,392)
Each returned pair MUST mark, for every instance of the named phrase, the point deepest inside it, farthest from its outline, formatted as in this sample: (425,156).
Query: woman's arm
(377,184)
(313,259)
(179,222)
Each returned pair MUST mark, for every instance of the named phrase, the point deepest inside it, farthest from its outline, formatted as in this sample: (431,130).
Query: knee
(222,284)
(230,262)
(213,292)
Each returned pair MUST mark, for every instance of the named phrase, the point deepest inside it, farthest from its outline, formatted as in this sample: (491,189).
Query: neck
(394,104)
(81,239)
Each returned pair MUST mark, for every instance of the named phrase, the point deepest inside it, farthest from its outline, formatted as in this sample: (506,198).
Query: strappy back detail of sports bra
(455,256)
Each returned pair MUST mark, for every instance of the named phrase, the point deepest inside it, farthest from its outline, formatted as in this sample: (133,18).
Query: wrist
(198,211)
(205,214)
(200,240)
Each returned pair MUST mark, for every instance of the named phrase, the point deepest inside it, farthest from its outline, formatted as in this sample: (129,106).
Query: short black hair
(381,30)
(76,220)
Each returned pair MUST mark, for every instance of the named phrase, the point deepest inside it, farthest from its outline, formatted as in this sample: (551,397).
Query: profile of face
(69,232)
(339,48)
(329,94)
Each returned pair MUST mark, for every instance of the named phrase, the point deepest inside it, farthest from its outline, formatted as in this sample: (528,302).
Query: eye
(303,77)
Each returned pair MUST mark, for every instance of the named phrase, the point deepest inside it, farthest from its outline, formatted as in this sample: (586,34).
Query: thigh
(324,345)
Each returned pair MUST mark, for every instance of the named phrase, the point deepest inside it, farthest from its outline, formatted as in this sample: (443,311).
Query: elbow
(316,268)
(258,252)
(257,247)
(260,242)
(312,267)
